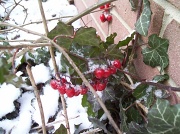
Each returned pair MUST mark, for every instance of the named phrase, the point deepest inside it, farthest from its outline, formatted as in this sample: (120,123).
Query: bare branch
(37,97)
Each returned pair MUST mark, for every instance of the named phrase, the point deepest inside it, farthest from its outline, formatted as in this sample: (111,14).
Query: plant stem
(88,10)
(37,97)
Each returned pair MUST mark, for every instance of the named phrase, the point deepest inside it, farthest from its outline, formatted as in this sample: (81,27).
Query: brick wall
(165,22)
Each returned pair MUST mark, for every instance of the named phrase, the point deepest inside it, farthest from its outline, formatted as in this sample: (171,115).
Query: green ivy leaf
(61,29)
(14,80)
(134,4)
(123,124)
(156,55)
(161,78)
(133,115)
(109,40)
(64,42)
(85,51)
(140,91)
(98,123)
(164,118)
(143,22)
(137,129)
(150,98)
(61,130)
(85,103)
(87,36)
(125,41)
(3,70)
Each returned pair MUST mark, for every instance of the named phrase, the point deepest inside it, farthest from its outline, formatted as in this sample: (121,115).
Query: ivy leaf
(140,91)
(87,36)
(156,55)
(108,94)
(143,22)
(14,80)
(164,118)
(133,115)
(161,78)
(61,130)
(125,41)
(137,129)
(61,29)
(64,42)
(98,124)
(109,40)
(123,125)
(85,103)
(134,4)
(3,70)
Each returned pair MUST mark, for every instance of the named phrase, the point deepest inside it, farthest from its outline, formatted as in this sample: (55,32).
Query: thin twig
(162,86)
(52,123)
(88,10)
(29,46)
(54,63)
(11,10)
(37,97)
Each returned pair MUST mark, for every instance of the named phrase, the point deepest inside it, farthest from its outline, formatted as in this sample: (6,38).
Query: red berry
(117,64)
(102,18)
(102,7)
(70,92)
(63,80)
(62,89)
(77,92)
(100,86)
(94,86)
(113,70)
(107,5)
(107,72)
(83,90)
(99,73)
(54,84)
(109,18)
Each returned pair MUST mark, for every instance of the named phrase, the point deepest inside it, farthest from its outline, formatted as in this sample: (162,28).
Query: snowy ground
(29,111)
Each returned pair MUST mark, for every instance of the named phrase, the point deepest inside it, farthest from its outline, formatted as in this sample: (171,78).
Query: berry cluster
(99,83)
(105,16)
(67,88)
(101,75)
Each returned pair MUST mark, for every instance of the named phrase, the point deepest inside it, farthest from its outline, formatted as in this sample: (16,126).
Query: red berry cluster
(105,16)
(67,88)
(100,82)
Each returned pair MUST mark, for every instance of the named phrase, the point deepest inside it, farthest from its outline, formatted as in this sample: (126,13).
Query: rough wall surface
(165,22)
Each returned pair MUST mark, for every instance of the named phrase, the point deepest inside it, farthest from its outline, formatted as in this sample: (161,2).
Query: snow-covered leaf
(108,94)
(143,22)
(125,41)
(87,36)
(156,54)
(161,78)
(98,123)
(164,118)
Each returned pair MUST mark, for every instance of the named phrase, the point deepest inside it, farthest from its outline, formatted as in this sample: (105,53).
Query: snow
(41,73)
(29,110)
(50,104)
(8,93)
